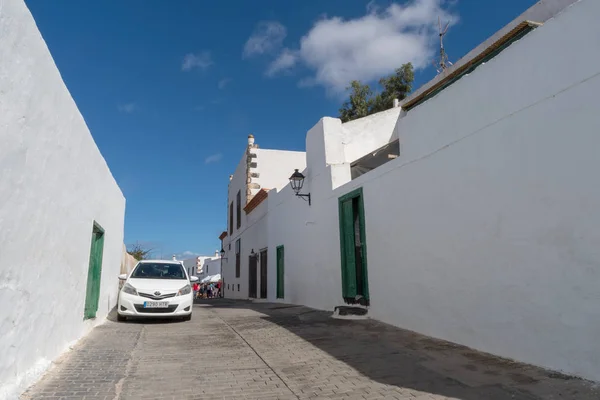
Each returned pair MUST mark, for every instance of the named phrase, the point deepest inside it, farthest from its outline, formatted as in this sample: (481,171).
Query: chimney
(216,253)
(174,257)
(250,140)
(396,103)
(230,178)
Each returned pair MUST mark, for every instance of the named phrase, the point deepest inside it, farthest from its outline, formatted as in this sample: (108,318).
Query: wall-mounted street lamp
(223,254)
(297,181)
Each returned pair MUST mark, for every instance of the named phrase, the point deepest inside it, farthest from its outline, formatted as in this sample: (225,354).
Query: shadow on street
(404,359)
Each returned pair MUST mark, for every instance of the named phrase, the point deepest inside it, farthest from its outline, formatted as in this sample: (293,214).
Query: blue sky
(171,89)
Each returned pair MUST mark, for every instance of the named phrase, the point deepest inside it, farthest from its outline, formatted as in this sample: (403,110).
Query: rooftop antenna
(443,61)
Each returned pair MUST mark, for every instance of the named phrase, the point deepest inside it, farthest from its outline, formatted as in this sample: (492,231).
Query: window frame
(231,218)
(238,258)
(238,210)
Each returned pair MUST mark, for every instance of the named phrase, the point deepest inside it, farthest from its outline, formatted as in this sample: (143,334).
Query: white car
(156,288)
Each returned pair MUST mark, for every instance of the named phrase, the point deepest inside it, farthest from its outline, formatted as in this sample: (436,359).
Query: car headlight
(187,289)
(127,288)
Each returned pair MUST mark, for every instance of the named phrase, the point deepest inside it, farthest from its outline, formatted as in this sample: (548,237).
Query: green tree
(359,102)
(139,252)
(362,102)
(395,86)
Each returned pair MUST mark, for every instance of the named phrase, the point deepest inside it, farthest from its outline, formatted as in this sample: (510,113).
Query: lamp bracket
(305,197)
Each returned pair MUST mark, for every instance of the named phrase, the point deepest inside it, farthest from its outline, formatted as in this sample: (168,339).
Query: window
(239,209)
(231,218)
(237,259)
(146,270)
(375,159)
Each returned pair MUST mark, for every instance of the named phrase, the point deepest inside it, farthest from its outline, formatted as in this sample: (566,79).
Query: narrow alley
(243,350)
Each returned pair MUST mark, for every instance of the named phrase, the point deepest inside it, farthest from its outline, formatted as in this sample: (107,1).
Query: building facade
(202,266)
(259,171)
(469,213)
(61,211)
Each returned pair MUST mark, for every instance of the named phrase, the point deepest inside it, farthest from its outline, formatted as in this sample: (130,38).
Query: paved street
(243,350)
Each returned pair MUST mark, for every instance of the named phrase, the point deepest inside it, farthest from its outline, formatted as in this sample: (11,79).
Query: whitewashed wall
(495,240)
(364,135)
(275,167)
(484,231)
(54,184)
(202,266)
(237,183)
(253,236)
(211,266)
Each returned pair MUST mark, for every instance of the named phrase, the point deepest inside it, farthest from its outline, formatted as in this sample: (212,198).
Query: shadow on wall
(128,262)
(404,359)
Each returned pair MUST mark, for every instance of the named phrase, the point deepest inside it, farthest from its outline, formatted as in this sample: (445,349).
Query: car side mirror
(123,277)
(193,279)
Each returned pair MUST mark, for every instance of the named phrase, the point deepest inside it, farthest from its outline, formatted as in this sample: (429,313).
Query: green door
(280,269)
(94,272)
(355,283)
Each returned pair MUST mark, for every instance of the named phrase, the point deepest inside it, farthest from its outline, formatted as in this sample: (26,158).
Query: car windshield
(158,271)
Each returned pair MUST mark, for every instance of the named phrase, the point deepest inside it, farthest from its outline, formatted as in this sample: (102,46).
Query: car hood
(151,285)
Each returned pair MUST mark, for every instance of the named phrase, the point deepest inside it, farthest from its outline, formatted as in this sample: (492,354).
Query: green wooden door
(280,270)
(348,257)
(94,272)
(353,247)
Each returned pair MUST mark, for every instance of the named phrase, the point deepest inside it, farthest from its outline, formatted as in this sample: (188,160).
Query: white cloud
(202,60)
(224,82)
(284,62)
(267,37)
(213,158)
(186,254)
(369,47)
(127,108)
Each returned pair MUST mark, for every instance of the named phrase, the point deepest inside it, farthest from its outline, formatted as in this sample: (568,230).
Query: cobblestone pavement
(243,350)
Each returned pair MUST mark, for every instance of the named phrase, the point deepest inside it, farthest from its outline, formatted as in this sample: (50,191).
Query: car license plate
(156,304)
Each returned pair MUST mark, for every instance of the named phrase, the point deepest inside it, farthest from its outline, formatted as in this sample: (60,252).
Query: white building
(210,267)
(470,213)
(259,171)
(57,198)
(203,266)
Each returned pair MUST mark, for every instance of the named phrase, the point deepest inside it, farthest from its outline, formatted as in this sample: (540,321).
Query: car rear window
(159,271)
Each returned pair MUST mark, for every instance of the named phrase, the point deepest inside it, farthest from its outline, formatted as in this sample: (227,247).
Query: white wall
(276,166)
(211,266)
(202,266)
(237,183)
(495,244)
(253,236)
(54,184)
(365,135)
(484,231)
